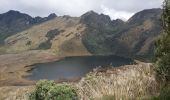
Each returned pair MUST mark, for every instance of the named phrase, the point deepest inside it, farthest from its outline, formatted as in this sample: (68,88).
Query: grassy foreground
(126,82)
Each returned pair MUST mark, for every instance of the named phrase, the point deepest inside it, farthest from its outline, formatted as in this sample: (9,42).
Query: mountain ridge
(92,33)
(13,22)
(134,38)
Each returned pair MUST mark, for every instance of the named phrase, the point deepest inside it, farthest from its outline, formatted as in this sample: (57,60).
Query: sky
(122,9)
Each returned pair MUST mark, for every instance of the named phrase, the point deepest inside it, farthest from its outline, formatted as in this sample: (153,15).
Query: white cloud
(116,14)
(115,8)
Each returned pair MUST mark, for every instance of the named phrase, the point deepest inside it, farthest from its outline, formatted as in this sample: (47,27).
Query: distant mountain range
(134,38)
(91,33)
(12,22)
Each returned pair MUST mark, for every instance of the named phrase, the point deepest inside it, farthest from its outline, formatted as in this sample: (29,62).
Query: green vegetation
(98,41)
(50,35)
(48,90)
(162,51)
(134,38)
(162,55)
(7,32)
(164,95)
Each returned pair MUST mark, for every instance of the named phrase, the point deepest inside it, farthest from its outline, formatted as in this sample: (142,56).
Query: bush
(162,55)
(162,60)
(48,90)
(164,95)
(162,51)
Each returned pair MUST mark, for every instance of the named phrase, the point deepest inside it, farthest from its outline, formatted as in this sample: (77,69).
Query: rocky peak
(90,13)
(39,19)
(94,19)
(117,22)
(13,21)
(51,16)
(145,14)
(12,12)
(12,16)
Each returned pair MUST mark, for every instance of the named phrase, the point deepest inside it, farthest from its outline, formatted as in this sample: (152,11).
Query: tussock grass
(130,82)
(15,92)
(126,82)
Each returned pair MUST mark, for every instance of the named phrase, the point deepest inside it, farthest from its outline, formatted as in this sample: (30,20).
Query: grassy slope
(98,33)
(126,82)
(71,31)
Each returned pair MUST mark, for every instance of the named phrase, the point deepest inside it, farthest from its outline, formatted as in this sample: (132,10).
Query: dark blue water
(74,67)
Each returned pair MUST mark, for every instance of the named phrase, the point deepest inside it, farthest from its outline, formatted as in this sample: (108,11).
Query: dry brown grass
(67,43)
(12,66)
(15,92)
(128,82)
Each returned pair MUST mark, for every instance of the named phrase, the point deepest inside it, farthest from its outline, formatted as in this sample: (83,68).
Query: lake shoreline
(139,76)
(14,67)
(70,68)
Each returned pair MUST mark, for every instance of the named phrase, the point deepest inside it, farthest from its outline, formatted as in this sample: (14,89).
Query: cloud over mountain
(114,8)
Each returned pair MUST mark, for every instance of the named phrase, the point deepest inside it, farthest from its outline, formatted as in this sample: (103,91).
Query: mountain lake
(73,67)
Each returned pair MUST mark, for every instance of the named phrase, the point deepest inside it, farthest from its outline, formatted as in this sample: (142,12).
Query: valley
(89,34)
(74,68)
(85,50)
(55,37)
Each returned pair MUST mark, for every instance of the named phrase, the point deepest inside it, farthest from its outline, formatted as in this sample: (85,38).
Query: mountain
(99,32)
(61,35)
(91,33)
(138,35)
(134,38)
(13,22)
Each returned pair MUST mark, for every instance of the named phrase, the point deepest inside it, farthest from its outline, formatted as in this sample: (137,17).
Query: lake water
(74,67)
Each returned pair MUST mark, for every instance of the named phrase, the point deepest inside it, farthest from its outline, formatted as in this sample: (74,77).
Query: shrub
(162,55)
(164,95)
(162,51)
(48,90)
(50,36)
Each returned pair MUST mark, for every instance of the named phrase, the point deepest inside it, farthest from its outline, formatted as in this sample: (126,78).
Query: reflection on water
(74,67)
